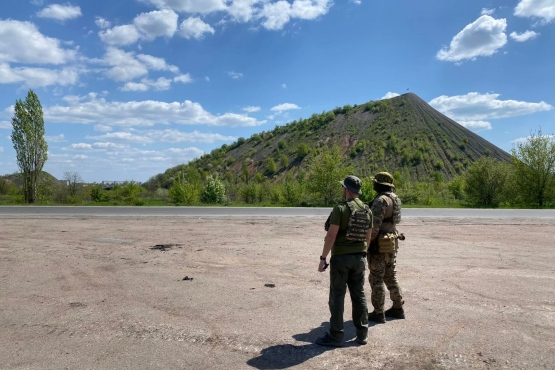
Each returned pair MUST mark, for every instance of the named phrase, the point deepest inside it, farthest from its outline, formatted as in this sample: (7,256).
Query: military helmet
(384,178)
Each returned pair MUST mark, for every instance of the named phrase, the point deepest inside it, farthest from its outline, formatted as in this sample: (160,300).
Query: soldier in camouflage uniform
(386,211)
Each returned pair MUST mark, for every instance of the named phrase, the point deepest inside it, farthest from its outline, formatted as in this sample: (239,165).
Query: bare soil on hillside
(243,293)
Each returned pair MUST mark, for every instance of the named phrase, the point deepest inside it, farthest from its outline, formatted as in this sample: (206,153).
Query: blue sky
(130,88)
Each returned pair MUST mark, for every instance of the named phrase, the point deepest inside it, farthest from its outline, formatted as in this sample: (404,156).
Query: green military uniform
(347,269)
(386,212)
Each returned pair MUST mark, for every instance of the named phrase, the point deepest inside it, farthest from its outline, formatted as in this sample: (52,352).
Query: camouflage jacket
(386,212)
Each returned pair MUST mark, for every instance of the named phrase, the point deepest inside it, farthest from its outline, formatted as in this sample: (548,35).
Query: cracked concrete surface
(92,293)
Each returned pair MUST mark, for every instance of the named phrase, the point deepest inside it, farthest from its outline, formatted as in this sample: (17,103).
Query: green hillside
(403,134)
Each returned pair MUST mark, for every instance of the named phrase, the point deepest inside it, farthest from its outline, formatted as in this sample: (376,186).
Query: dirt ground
(243,293)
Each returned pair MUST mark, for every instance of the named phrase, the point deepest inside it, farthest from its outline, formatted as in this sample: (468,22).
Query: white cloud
(284,86)
(160,84)
(191,6)
(486,11)
(389,95)
(102,23)
(251,109)
(194,28)
(358,2)
(93,110)
(102,128)
(276,14)
(544,9)
(242,10)
(120,35)
(60,12)
(38,77)
(175,136)
(55,139)
(476,125)
(21,42)
(523,140)
(157,23)
(1,149)
(478,107)
(157,64)
(121,136)
(235,75)
(185,78)
(281,12)
(525,36)
(124,65)
(5,124)
(483,37)
(146,26)
(285,106)
(81,146)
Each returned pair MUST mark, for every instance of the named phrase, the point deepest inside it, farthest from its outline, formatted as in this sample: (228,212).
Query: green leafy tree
(283,161)
(485,181)
(302,150)
(325,172)
(29,143)
(292,191)
(534,168)
(456,187)
(271,167)
(213,192)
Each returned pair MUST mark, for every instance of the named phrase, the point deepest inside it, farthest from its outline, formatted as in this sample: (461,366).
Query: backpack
(359,222)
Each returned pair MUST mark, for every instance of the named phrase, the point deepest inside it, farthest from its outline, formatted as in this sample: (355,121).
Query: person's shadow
(284,356)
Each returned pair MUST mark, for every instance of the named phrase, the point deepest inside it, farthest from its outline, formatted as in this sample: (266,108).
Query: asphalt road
(76,211)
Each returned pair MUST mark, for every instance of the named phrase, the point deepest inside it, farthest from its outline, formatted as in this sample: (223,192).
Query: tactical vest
(396,215)
(359,222)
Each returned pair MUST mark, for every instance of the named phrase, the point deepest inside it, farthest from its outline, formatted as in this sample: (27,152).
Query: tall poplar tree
(29,143)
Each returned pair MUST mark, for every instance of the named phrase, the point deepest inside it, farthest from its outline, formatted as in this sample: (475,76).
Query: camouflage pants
(382,270)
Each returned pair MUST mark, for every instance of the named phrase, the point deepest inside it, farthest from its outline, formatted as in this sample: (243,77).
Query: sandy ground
(92,293)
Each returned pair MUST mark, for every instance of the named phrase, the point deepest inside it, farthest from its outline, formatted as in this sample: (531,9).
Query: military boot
(396,313)
(376,317)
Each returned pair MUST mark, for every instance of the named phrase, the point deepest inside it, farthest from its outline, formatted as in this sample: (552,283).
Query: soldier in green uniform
(348,234)
(382,253)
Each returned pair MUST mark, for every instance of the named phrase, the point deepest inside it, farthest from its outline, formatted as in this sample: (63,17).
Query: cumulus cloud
(543,9)
(124,65)
(60,12)
(476,125)
(251,109)
(284,107)
(4,124)
(158,23)
(525,36)
(94,110)
(483,37)
(146,26)
(273,14)
(102,23)
(194,27)
(184,78)
(55,138)
(157,64)
(486,11)
(102,128)
(120,35)
(389,95)
(160,84)
(479,107)
(38,77)
(191,6)
(21,42)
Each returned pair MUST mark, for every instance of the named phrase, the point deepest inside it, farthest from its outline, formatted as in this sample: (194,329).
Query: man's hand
(323,266)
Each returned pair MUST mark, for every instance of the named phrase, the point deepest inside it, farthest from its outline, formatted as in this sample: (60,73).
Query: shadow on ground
(284,356)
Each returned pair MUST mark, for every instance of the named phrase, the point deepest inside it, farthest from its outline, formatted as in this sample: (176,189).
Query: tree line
(527,180)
